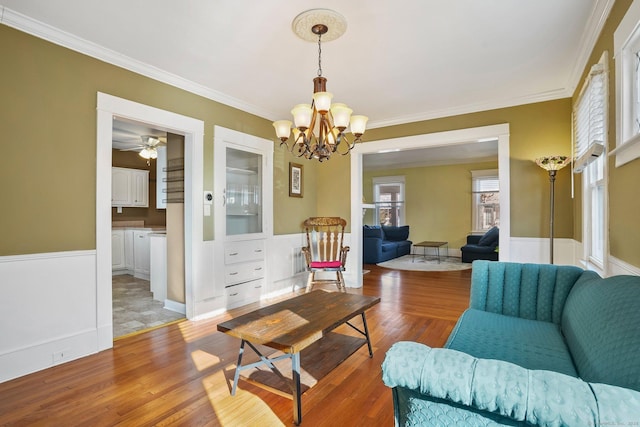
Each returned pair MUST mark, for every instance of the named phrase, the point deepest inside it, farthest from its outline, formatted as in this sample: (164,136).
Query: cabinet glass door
(243,192)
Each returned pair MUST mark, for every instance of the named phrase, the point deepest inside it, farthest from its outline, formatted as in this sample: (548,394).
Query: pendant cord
(319,55)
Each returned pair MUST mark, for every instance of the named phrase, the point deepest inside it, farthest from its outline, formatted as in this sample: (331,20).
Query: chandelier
(320,127)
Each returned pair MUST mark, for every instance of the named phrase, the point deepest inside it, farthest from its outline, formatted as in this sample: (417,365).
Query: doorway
(439,139)
(108,108)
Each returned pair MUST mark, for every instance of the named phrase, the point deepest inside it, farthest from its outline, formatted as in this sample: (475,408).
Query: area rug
(428,263)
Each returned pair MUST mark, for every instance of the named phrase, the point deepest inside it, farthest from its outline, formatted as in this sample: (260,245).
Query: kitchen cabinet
(243,199)
(117,250)
(129,187)
(141,254)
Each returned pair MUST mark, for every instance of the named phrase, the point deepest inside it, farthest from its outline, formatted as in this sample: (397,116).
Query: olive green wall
(47,156)
(437,200)
(624,197)
(535,130)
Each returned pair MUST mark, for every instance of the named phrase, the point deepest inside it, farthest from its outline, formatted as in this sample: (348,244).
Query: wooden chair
(325,250)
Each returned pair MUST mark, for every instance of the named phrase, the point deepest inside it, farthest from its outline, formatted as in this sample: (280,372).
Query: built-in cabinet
(243,203)
(129,187)
(130,252)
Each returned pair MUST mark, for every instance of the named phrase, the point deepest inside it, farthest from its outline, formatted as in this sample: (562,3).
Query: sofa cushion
(528,343)
(601,323)
(389,247)
(396,234)
(372,231)
(490,238)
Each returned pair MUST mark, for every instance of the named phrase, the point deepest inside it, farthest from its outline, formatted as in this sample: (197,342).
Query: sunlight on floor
(203,360)
(243,409)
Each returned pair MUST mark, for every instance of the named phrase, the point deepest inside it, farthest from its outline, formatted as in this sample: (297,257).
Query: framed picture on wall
(296,182)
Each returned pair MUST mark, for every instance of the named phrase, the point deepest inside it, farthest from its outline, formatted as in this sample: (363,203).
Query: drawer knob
(233,254)
(258,250)
(233,295)
(258,268)
(233,274)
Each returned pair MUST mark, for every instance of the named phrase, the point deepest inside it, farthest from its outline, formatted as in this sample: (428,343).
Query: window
(389,200)
(590,140)
(485,192)
(627,53)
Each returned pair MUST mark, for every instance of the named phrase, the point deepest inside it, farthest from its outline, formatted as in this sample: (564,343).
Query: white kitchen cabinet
(120,187)
(141,254)
(140,188)
(117,250)
(128,250)
(129,187)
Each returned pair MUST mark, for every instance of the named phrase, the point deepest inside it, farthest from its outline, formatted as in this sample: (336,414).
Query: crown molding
(54,35)
(592,31)
(473,108)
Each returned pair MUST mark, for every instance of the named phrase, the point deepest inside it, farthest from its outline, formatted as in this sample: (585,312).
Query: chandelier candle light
(319,127)
(552,164)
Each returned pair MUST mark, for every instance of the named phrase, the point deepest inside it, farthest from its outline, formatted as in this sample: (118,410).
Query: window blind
(486,184)
(589,117)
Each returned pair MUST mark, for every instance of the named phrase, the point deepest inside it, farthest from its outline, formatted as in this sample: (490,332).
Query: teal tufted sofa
(539,345)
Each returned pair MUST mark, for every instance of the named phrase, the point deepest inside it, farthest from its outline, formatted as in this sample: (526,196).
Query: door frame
(108,108)
(438,139)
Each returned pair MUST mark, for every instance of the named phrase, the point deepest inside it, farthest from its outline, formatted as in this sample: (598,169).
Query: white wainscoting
(536,250)
(47,310)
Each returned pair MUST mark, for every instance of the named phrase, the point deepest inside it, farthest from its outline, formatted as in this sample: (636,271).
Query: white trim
(626,40)
(618,267)
(501,131)
(47,255)
(44,31)
(109,107)
(178,307)
(70,41)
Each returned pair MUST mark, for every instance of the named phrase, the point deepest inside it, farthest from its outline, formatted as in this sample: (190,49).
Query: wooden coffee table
(293,325)
(428,244)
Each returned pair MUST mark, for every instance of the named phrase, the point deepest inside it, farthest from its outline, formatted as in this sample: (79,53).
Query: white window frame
(487,173)
(597,262)
(626,48)
(387,180)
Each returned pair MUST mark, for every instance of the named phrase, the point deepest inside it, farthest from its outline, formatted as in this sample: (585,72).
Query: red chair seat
(325,264)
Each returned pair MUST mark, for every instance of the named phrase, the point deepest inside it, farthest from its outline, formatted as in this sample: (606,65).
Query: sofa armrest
(473,239)
(529,291)
(504,389)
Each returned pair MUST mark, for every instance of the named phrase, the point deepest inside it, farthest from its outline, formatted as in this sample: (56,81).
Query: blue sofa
(539,345)
(481,247)
(382,243)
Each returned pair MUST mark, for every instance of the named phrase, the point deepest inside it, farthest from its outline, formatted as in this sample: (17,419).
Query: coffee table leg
(366,334)
(236,376)
(297,403)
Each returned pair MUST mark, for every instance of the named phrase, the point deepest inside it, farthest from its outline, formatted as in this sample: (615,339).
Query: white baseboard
(178,307)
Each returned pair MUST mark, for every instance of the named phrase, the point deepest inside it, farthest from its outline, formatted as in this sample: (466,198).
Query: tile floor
(134,308)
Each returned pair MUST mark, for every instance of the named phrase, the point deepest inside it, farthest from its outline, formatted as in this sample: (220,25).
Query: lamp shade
(553,163)
(358,124)
(302,115)
(283,128)
(322,101)
(341,115)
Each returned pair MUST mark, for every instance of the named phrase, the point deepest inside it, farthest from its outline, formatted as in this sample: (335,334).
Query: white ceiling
(397,62)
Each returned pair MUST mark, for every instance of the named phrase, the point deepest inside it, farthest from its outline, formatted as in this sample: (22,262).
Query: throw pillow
(396,234)
(490,238)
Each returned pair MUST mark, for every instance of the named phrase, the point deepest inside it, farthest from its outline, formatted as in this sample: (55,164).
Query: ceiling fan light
(153,153)
(302,115)
(341,115)
(144,153)
(358,124)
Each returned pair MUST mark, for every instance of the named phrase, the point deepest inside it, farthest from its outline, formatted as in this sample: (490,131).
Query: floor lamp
(552,164)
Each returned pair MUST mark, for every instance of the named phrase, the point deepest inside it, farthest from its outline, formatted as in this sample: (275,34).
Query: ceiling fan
(146,145)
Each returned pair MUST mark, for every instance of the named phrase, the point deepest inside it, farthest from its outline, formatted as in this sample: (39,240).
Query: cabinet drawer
(243,272)
(243,293)
(243,251)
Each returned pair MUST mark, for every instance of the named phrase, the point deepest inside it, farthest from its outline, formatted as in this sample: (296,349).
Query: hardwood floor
(181,374)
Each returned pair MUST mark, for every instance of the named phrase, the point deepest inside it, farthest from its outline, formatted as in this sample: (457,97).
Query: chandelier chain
(319,55)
